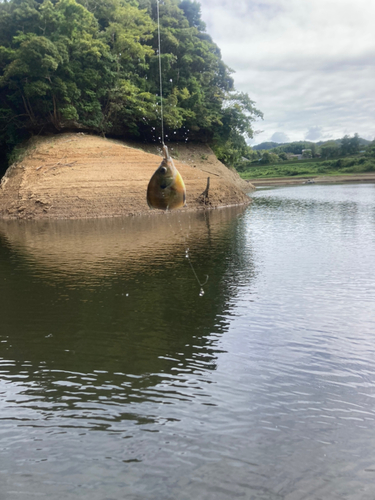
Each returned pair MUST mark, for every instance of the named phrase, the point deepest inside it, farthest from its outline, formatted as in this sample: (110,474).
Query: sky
(309,65)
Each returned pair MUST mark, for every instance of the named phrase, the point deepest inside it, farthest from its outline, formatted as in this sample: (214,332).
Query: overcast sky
(308,64)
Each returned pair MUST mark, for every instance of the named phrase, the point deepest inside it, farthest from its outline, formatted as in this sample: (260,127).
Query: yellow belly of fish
(168,198)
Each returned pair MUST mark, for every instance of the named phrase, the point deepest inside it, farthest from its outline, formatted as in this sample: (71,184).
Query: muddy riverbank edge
(323,179)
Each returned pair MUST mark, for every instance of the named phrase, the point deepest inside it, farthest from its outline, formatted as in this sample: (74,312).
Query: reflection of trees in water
(138,325)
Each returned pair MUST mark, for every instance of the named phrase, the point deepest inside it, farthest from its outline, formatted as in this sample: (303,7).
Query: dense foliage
(93,65)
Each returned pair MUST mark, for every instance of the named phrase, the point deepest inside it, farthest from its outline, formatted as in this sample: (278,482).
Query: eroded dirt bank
(79,176)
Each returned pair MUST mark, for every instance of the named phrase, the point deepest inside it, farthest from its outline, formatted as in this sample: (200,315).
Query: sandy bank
(71,176)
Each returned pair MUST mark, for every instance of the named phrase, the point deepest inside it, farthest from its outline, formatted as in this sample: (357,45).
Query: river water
(120,379)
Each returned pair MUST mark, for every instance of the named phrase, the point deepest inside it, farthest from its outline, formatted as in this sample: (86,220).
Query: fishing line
(201,292)
(160,78)
(187,254)
(187,250)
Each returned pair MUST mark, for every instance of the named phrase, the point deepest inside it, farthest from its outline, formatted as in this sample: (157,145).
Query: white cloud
(308,64)
(314,134)
(279,137)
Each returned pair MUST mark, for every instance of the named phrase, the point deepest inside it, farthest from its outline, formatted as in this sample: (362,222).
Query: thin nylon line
(201,293)
(195,274)
(160,79)
(187,255)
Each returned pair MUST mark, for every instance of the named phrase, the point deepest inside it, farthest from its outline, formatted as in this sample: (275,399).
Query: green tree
(229,140)
(269,158)
(93,64)
(314,150)
(192,11)
(329,149)
(345,145)
(355,144)
(59,75)
(370,150)
(350,145)
(306,153)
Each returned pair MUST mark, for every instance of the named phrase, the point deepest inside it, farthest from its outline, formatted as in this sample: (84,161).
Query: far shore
(323,179)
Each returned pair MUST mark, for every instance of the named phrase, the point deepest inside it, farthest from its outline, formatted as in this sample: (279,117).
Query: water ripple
(119,381)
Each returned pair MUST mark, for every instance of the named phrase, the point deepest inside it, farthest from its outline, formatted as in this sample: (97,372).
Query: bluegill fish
(166,189)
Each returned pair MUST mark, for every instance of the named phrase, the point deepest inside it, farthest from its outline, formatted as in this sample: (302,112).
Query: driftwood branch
(204,196)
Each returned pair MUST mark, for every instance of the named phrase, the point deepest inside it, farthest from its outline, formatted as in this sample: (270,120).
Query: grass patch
(310,168)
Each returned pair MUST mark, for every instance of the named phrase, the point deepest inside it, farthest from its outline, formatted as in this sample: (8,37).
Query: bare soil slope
(79,176)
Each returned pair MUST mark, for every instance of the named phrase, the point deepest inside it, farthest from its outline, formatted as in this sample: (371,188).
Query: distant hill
(287,147)
(364,142)
(303,144)
(267,145)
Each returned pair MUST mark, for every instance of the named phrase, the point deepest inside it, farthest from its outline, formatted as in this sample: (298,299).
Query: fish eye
(163,170)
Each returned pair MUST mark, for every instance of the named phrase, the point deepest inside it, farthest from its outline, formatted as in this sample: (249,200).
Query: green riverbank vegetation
(305,159)
(92,65)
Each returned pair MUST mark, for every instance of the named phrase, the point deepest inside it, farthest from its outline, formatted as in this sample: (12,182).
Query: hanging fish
(166,189)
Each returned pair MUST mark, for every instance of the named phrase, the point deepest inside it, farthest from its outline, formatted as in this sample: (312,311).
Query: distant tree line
(93,65)
(328,150)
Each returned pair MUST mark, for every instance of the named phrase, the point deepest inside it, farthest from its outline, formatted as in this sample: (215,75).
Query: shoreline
(322,179)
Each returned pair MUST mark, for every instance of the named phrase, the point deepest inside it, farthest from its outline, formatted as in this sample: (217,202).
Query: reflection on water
(95,321)
(90,250)
(119,381)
